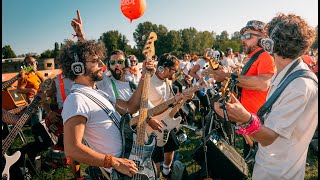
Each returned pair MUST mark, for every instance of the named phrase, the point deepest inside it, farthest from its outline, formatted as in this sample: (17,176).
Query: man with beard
(160,91)
(285,129)
(116,85)
(85,119)
(256,81)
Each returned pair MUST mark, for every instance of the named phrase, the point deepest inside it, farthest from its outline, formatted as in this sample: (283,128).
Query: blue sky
(35,25)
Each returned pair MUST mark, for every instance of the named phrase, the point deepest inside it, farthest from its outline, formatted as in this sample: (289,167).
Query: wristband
(107,161)
(253,127)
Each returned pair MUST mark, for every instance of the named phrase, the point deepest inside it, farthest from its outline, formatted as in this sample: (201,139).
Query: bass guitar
(23,71)
(6,143)
(134,143)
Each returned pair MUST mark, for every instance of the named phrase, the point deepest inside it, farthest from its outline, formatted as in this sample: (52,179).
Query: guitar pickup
(164,123)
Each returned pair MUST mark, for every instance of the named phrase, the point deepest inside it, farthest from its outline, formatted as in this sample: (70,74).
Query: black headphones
(165,64)
(268,43)
(77,67)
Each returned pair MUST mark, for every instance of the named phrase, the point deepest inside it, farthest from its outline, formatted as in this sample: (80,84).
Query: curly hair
(83,50)
(167,60)
(292,37)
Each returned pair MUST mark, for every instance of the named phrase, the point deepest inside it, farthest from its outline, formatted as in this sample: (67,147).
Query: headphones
(77,67)
(268,43)
(165,64)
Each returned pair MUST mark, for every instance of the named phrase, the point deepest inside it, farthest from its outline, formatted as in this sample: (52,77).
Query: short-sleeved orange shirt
(32,80)
(252,100)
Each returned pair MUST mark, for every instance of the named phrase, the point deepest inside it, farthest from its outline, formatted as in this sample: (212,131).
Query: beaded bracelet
(107,161)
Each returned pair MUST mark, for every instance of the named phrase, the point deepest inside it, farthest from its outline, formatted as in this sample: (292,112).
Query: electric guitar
(226,92)
(167,117)
(6,143)
(56,126)
(23,71)
(133,142)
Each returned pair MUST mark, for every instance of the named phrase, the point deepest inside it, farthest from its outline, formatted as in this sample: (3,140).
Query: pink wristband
(252,128)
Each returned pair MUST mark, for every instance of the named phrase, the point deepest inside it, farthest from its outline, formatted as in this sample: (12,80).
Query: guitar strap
(246,67)
(63,94)
(267,106)
(102,105)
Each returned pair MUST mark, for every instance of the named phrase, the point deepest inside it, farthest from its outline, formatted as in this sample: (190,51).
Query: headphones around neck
(77,67)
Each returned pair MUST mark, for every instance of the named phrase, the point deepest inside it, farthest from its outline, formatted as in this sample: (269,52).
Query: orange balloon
(133,9)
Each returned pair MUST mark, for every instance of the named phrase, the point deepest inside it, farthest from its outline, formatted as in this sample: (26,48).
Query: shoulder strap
(39,76)
(266,108)
(251,61)
(102,105)
(61,82)
(114,87)
(133,86)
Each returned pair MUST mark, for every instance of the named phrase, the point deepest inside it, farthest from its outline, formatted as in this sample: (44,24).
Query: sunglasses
(32,63)
(133,61)
(120,61)
(248,35)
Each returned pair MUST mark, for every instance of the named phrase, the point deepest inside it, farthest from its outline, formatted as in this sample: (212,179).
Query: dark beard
(94,76)
(115,75)
(249,49)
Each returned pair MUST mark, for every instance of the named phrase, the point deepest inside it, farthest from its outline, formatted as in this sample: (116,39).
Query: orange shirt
(252,100)
(32,80)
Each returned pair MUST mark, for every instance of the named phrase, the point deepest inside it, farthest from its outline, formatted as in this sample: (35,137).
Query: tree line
(178,42)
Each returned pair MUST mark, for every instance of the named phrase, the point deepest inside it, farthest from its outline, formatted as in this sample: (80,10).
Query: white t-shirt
(100,132)
(203,65)
(123,88)
(228,63)
(159,91)
(294,116)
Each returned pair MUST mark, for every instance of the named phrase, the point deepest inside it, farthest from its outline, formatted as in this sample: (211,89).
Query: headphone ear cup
(78,68)
(160,69)
(267,44)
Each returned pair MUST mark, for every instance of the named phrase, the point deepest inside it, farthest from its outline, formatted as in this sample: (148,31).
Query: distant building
(14,64)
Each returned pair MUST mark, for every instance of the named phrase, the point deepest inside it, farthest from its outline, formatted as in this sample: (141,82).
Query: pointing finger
(79,17)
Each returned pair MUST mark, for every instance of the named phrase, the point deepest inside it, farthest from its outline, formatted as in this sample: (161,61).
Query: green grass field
(186,150)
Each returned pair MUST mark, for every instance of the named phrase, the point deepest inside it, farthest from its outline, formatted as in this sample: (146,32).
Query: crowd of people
(90,98)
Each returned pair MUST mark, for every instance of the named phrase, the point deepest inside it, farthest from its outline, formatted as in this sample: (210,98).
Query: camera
(267,44)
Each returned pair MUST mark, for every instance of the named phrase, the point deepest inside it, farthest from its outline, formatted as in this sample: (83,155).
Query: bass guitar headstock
(148,49)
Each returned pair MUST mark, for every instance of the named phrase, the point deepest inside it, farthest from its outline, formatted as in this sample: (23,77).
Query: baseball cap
(254,25)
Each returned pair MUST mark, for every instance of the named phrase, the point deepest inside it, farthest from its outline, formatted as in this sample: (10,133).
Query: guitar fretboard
(23,119)
(155,110)
(9,82)
(143,113)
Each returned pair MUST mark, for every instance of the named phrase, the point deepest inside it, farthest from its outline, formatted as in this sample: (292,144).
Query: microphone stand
(205,145)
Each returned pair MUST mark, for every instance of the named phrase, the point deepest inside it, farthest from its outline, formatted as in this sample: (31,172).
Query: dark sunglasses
(32,63)
(132,61)
(248,35)
(120,61)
